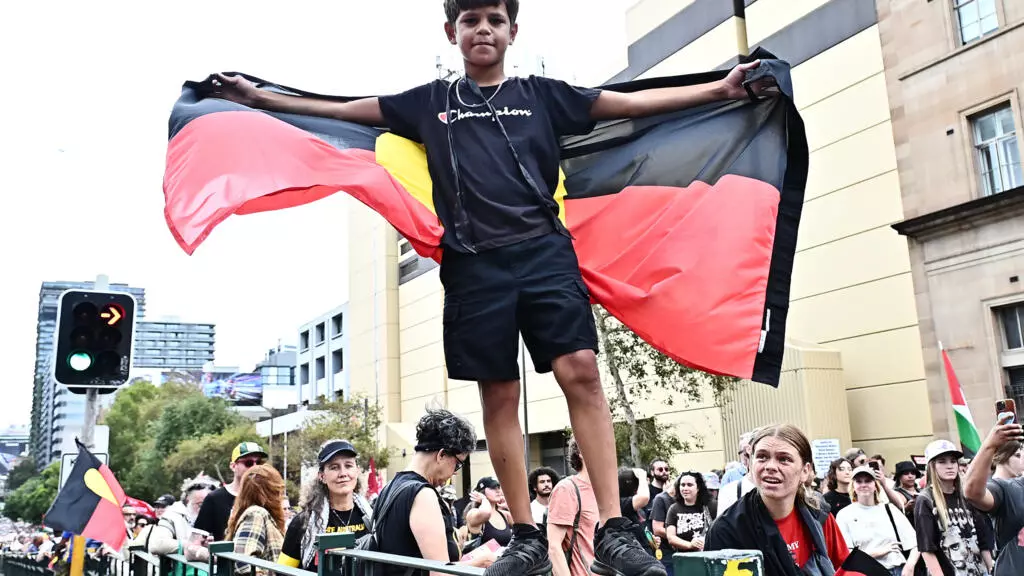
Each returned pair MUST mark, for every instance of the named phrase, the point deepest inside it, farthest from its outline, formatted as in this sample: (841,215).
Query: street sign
(67,462)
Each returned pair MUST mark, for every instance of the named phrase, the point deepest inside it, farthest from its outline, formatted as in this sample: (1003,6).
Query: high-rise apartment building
(170,344)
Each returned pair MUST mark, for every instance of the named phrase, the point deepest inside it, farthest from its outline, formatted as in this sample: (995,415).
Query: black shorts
(532,287)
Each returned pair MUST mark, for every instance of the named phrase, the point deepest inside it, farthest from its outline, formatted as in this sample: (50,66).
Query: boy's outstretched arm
(238,89)
(613,105)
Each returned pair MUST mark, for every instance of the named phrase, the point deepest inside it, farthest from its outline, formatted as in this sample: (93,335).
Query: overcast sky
(89,86)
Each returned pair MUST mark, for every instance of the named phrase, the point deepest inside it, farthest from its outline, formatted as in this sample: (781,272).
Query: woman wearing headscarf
(776,517)
(332,506)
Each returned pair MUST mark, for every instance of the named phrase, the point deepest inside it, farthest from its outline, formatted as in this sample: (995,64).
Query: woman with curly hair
(256,525)
(689,519)
(331,506)
(409,513)
(840,475)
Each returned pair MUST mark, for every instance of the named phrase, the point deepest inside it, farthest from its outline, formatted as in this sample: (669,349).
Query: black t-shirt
(338,522)
(837,501)
(959,547)
(659,513)
(498,206)
(1008,513)
(637,518)
(393,533)
(689,522)
(215,513)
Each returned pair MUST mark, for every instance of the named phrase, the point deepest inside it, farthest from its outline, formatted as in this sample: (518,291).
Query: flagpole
(92,405)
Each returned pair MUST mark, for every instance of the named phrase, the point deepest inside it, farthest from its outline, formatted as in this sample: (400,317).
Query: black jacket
(747,525)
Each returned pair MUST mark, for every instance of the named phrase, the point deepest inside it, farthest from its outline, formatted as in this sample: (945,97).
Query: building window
(336,326)
(975,18)
(304,340)
(304,374)
(995,139)
(319,334)
(321,370)
(1012,318)
(337,363)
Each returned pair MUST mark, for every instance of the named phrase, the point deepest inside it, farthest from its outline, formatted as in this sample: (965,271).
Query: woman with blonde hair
(954,538)
(777,517)
(878,528)
(256,525)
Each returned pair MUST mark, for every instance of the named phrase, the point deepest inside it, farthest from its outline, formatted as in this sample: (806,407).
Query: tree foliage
(22,472)
(33,498)
(654,439)
(638,371)
(148,424)
(355,420)
(160,435)
(210,454)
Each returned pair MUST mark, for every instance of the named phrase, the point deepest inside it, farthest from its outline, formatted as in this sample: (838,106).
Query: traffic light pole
(92,409)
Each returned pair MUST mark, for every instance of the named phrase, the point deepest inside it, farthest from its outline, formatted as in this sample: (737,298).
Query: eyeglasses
(250,462)
(459,463)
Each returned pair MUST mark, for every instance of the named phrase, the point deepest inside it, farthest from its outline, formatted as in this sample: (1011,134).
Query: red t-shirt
(798,540)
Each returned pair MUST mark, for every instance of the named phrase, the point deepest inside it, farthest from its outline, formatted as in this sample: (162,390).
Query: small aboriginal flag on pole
(90,503)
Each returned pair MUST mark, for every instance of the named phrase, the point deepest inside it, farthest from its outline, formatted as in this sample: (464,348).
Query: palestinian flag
(90,503)
(860,563)
(685,224)
(970,440)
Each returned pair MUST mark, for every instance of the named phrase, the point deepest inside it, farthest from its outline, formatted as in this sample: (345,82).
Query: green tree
(33,498)
(637,371)
(191,417)
(654,439)
(22,472)
(210,454)
(356,420)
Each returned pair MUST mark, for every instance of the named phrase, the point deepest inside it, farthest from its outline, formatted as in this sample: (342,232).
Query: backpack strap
(575,524)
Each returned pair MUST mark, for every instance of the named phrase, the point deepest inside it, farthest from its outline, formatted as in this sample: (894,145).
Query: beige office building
(855,370)
(955,72)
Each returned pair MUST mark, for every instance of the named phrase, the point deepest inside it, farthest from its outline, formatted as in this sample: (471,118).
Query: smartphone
(1007,405)
(873,465)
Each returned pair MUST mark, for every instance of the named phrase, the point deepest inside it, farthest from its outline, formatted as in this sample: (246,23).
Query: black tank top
(393,532)
(502,536)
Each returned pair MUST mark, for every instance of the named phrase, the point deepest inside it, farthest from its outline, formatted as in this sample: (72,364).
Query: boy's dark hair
(628,483)
(452,8)
(575,459)
(542,471)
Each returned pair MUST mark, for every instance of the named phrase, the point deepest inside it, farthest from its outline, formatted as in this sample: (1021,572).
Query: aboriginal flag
(859,563)
(90,503)
(685,224)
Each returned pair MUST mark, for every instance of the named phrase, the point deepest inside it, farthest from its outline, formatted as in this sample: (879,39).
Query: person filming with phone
(1002,496)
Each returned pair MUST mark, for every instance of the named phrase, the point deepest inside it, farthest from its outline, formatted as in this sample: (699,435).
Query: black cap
(164,501)
(332,449)
(907,466)
(486,482)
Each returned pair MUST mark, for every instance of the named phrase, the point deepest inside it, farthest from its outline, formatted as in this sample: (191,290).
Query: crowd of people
(957,518)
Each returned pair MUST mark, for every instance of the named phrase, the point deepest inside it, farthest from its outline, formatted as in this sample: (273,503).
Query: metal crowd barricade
(22,565)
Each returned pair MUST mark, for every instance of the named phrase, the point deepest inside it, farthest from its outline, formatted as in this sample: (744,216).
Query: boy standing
(492,145)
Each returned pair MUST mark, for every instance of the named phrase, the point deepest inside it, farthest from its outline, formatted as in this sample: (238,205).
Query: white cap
(940,447)
(863,470)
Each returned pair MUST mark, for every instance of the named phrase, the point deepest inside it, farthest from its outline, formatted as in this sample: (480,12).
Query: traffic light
(94,340)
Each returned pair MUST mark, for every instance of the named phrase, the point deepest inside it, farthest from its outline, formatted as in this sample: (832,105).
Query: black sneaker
(618,553)
(526,554)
